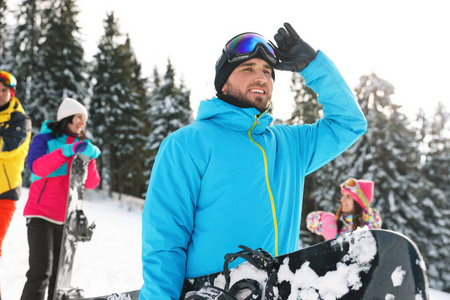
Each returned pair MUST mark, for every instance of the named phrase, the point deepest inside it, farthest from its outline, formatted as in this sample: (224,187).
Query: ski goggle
(7,79)
(353,185)
(246,45)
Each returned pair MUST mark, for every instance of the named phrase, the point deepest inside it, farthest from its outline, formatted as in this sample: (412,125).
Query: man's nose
(261,76)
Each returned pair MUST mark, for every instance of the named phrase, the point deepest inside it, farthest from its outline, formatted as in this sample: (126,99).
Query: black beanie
(222,73)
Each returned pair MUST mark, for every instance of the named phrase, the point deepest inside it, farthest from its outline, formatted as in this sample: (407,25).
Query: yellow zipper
(266,171)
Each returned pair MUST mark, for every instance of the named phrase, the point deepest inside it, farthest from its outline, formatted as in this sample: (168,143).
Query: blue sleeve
(38,148)
(168,221)
(343,122)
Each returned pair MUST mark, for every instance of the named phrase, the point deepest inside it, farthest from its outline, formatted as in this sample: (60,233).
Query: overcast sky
(404,42)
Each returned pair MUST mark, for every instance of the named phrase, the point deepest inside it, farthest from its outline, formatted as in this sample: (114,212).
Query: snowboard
(364,264)
(75,229)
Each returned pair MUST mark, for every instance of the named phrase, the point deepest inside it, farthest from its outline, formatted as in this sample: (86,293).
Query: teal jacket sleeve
(163,247)
(343,122)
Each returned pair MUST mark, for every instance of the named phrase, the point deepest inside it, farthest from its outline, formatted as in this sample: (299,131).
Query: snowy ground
(110,262)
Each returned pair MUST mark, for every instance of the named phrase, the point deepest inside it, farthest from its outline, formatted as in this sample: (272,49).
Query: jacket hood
(233,117)
(12,106)
(44,127)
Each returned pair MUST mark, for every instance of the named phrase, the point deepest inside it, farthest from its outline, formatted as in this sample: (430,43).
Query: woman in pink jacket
(354,211)
(49,159)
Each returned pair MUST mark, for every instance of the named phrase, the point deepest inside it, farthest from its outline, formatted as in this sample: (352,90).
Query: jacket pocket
(43,189)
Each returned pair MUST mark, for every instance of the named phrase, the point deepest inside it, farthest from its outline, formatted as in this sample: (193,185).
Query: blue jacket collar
(235,118)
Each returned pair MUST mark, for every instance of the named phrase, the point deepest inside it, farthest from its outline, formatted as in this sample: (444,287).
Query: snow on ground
(110,262)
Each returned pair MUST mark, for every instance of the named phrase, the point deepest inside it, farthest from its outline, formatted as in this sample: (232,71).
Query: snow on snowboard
(75,229)
(365,264)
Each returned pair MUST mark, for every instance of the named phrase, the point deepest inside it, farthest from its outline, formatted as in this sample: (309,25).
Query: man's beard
(242,97)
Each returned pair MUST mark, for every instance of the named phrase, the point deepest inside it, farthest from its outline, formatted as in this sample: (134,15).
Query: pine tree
(438,156)
(362,157)
(65,72)
(24,59)
(306,111)
(306,108)
(169,110)
(119,98)
(433,192)
(149,149)
(386,154)
(47,57)
(103,91)
(4,31)
(128,127)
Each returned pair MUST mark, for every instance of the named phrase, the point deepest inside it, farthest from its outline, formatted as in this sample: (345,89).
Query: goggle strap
(362,197)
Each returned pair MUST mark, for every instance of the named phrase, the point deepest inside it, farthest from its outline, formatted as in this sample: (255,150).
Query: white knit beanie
(70,107)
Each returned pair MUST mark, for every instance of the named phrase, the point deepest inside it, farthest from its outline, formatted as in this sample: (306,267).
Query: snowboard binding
(245,289)
(78,224)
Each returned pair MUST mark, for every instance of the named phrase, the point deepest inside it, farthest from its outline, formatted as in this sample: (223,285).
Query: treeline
(130,115)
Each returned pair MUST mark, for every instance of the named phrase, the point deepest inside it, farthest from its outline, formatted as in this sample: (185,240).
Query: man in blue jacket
(229,178)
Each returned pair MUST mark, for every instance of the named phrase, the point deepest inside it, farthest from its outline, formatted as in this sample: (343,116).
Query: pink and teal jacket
(47,197)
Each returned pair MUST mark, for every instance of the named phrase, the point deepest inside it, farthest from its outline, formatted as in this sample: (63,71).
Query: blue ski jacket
(230,179)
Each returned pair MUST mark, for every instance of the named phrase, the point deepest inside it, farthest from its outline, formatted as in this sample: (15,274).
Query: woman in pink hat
(354,211)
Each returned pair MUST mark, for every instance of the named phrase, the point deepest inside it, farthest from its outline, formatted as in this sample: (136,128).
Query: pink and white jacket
(50,170)
(315,222)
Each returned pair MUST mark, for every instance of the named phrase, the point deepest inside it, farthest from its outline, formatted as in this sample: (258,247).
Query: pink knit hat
(355,189)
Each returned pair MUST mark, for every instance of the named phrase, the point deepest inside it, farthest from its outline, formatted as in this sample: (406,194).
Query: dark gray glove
(293,52)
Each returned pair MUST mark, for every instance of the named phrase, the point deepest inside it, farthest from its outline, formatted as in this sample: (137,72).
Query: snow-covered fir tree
(433,192)
(65,72)
(128,144)
(118,100)
(46,56)
(4,32)
(154,84)
(379,155)
(102,91)
(437,163)
(306,110)
(169,110)
(24,58)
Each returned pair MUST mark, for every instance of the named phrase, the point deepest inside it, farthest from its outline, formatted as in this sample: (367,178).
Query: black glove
(293,52)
